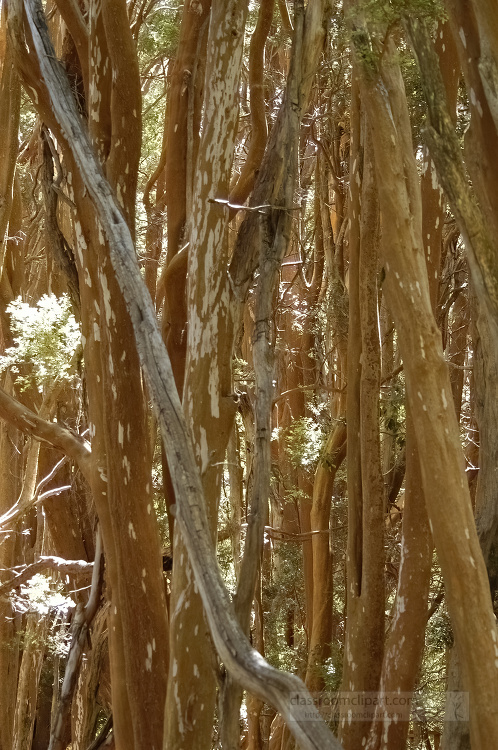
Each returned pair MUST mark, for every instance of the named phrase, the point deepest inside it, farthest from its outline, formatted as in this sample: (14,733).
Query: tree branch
(49,432)
(55,564)
(81,624)
(244,663)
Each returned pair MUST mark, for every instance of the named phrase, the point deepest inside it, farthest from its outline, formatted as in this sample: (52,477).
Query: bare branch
(23,573)
(245,664)
(49,432)
(81,624)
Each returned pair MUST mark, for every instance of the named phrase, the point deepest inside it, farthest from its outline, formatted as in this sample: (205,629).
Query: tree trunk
(429,388)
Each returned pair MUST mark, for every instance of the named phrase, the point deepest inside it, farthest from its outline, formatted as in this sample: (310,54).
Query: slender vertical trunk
(429,388)
(365,564)
(208,405)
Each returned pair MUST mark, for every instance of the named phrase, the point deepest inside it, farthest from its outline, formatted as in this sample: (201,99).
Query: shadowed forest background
(248,373)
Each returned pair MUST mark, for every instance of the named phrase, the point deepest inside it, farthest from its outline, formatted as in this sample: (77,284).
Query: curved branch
(245,664)
(259,130)
(49,432)
(55,564)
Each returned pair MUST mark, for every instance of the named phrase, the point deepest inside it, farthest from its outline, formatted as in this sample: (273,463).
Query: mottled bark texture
(428,385)
(246,665)
(118,433)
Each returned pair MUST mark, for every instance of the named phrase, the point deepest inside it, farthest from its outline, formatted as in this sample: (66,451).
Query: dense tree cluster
(248,374)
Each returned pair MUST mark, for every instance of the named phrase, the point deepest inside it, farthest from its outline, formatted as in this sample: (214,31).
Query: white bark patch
(179,605)
(96,331)
(120,434)
(434,181)
(88,280)
(106,296)
(131,531)
(179,716)
(148,661)
(462,37)
(196,671)
(204,451)
(149,509)
(81,245)
(214,388)
(472,561)
(127,466)
(422,349)
(443,396)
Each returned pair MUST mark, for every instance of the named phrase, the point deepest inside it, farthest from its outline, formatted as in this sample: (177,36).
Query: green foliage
(439,635)
(225,561)
(159,32)
(303,442)
(283,598)
(393,411)
(46,338)
(389,12)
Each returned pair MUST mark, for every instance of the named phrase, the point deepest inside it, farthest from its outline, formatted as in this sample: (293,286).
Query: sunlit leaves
(46,339)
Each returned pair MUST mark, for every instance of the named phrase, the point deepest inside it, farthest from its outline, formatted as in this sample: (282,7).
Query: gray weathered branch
(80,627)
(242,661)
